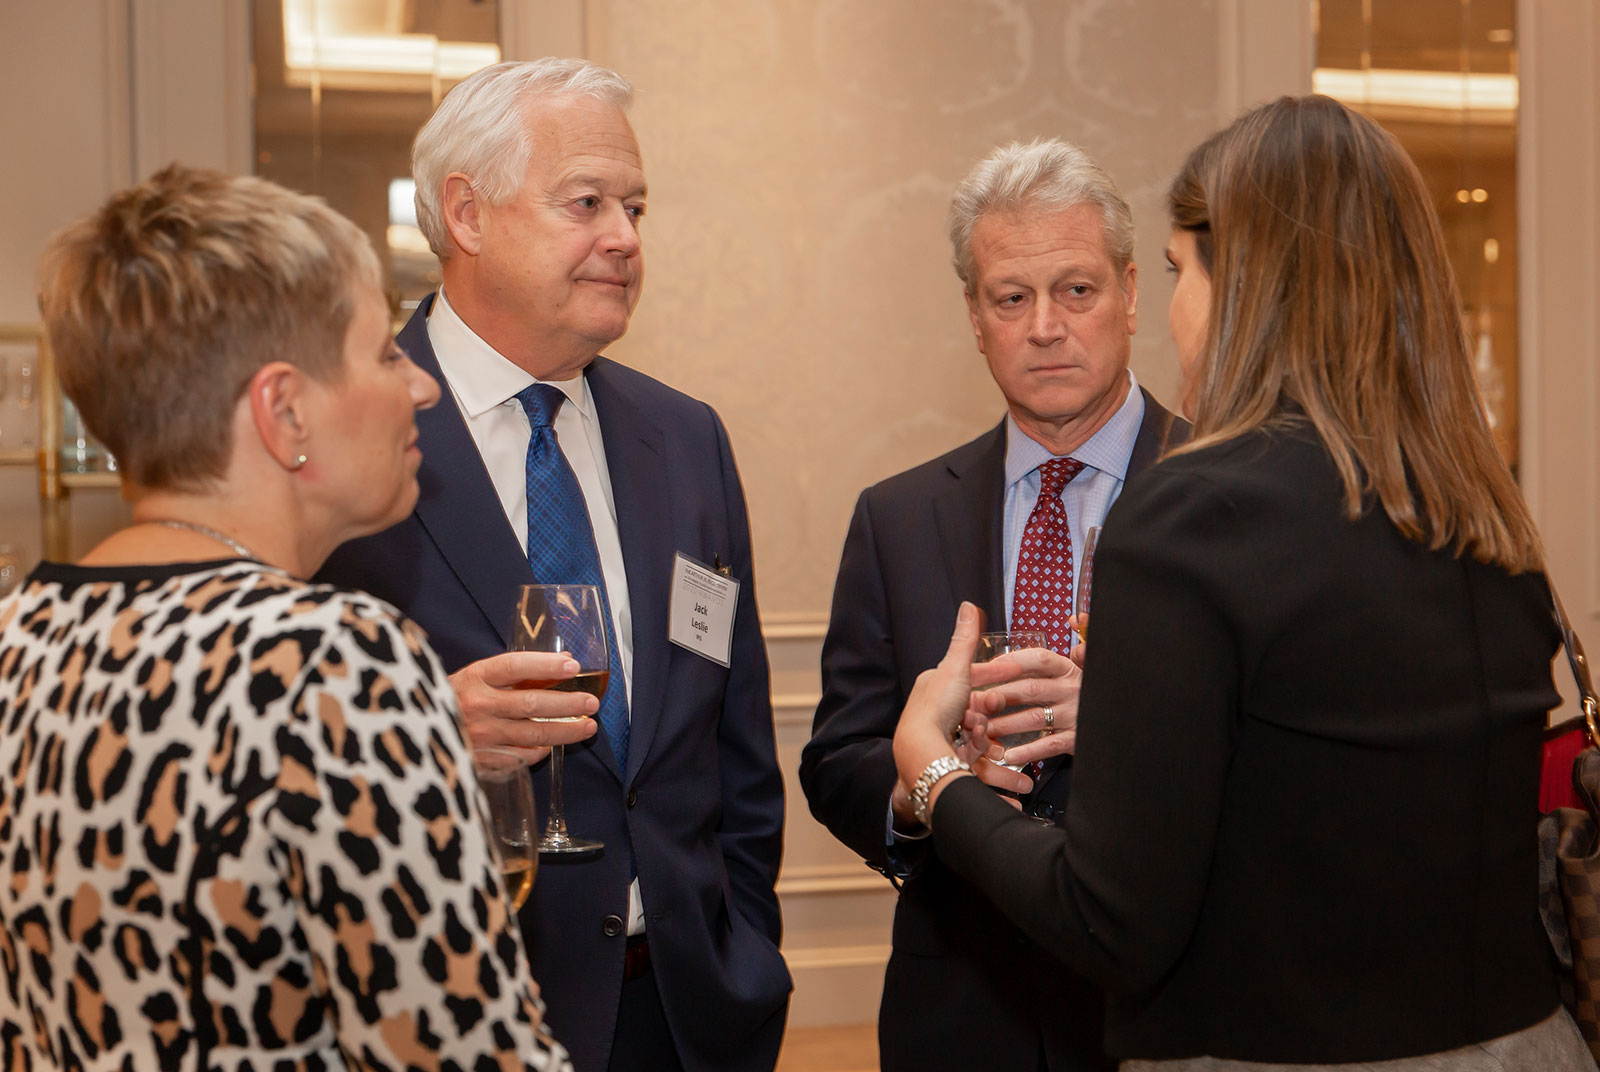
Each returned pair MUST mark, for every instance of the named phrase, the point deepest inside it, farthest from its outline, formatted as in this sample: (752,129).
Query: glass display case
(1441,76)
(33,433)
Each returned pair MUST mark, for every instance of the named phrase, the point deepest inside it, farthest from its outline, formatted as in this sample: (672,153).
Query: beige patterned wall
(800,157)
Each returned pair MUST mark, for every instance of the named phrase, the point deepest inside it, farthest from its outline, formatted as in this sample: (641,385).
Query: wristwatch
(930,777)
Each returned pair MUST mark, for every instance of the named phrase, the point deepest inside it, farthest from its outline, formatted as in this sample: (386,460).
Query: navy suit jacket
(701,801)
(919,544)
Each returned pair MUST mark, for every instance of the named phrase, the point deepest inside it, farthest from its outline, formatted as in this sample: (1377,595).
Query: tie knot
(540,401)
(1056,474)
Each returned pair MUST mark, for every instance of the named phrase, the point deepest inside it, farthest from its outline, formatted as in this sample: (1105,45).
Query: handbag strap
(1580,668)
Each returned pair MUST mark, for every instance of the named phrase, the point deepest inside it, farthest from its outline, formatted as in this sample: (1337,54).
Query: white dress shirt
(485,385)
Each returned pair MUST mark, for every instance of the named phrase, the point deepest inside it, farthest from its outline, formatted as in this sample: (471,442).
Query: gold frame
(55,515)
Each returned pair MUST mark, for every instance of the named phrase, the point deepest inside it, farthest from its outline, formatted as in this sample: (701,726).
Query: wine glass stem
(555,829)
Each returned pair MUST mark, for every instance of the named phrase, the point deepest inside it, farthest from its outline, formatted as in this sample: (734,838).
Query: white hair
(480,130)
(1046,173)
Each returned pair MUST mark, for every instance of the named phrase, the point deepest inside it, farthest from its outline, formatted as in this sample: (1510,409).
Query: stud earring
(298,462)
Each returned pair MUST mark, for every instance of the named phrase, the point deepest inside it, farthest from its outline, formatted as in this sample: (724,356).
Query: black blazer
(919,544)
(701,801)
(1306,784)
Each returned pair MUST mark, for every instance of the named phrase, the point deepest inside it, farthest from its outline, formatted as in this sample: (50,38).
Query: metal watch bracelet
(929,778)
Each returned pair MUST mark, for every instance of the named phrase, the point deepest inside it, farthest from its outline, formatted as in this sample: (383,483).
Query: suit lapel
(636,461)
(458,505)
(967,512)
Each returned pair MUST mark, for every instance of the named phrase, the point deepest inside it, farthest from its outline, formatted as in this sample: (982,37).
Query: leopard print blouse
(239,830)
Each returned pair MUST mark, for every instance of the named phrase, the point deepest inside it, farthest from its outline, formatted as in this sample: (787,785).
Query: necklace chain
(227,541)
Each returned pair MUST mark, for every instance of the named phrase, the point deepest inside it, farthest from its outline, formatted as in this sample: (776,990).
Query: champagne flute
(992,646)
(1080,611)
(10,569)
(570,619)
(25,390)
(503,777)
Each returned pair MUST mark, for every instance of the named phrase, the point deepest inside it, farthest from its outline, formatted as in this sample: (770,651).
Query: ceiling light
(1430,90)
(310,52)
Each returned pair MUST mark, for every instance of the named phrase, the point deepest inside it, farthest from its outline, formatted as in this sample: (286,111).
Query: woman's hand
(937,705)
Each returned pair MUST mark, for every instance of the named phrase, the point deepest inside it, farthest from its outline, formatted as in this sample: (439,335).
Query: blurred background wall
(800,156)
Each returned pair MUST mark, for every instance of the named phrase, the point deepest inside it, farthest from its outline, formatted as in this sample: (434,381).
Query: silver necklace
(231,544)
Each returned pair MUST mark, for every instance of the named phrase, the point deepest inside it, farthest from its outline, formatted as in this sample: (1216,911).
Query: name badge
(700,616)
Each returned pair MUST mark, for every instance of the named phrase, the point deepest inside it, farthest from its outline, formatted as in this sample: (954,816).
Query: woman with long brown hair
(1301,824)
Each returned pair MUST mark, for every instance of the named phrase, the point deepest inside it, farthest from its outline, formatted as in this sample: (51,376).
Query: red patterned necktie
(1041,598)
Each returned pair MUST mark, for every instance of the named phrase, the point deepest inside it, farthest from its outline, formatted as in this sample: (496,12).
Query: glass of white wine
(568,619)
(1080,608)
(503,778)
(29,423)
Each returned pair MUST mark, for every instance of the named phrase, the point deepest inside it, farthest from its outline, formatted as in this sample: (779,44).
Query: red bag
(1569,846)
(1562,743)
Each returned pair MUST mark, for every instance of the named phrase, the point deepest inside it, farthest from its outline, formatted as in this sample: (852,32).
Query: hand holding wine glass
(503,778)
(990,647)
(1031,705)
(567,619)
(502,708)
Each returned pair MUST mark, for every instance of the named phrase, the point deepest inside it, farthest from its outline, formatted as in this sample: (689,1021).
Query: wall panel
(1558,156)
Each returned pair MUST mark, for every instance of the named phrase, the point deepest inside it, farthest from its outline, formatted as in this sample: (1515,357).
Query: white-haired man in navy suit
(548,463)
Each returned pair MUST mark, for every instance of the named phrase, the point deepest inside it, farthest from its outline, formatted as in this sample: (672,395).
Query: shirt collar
(480,377)
(1107,450)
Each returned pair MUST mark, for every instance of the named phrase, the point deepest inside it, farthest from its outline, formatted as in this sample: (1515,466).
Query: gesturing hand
(937,704)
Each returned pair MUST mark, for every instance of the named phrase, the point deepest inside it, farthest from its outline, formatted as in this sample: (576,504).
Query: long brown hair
(1332,292)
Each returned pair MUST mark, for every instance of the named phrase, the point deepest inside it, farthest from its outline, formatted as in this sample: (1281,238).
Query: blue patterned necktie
(561,547)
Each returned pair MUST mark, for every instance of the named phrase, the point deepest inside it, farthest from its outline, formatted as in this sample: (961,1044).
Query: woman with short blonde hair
(239,824)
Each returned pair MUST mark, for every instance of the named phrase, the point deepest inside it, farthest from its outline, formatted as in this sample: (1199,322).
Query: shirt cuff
(905,850)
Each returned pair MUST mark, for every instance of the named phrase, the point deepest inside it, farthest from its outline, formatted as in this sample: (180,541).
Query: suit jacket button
(633,797)
(612,926)
(1044,810)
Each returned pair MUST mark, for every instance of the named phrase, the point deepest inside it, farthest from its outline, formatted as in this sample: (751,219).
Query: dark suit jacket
(1307,778)
(701,802)
(963,988)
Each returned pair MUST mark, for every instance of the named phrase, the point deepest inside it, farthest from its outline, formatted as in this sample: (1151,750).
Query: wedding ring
(1049,719)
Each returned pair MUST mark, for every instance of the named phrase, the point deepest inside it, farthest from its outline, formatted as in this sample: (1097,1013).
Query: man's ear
(1130,296)
(278,399)
(463,215)
(972,314)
